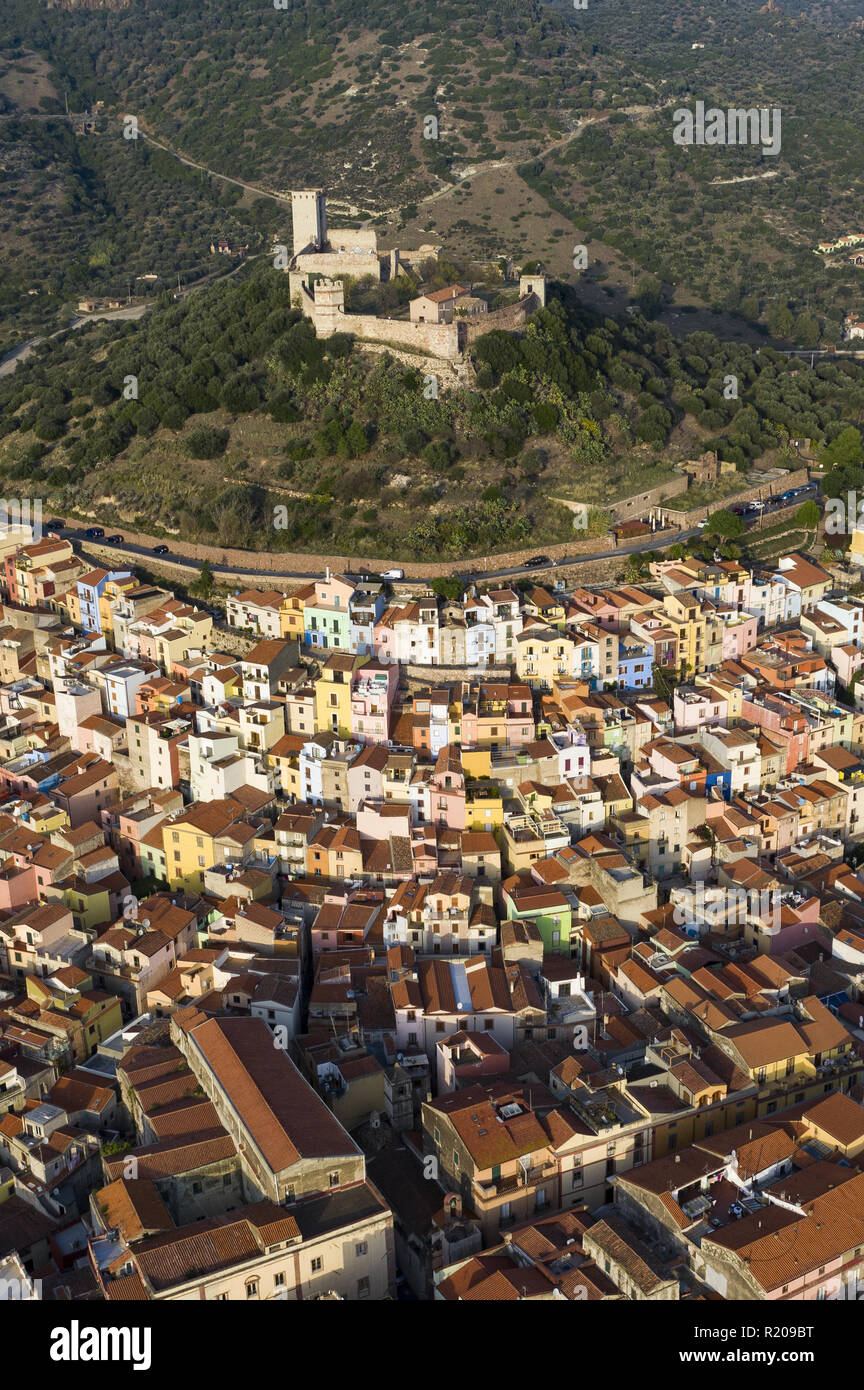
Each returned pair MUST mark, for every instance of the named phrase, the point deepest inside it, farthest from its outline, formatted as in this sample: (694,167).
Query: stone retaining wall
(688,519)
(274,564)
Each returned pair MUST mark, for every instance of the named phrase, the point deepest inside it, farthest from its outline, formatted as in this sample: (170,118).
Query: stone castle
(441,326)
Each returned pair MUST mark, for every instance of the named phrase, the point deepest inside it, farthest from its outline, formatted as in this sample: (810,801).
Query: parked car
(161,550)
(538,560)
(56,523)
(393,574)
(115,540)
(94,533)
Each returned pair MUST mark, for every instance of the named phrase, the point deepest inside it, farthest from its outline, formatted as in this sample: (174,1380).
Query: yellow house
(284,756)
(291,612)
(732,694)
(94,1019)
(89,903)
(48,818)
(700,636)
(543,655)
(333,694)
(113,590)
(70,606)
(790,1052)
(477,762)
(546,608)
(201,837)
(484,806)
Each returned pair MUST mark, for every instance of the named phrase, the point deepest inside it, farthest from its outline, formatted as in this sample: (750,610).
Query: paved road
(21,353)
(79,533)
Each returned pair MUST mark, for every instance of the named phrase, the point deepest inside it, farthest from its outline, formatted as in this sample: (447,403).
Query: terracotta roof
(283,1114)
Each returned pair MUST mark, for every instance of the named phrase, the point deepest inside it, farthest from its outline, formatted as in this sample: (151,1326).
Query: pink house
(444,797)
(18,885)
(366,776)
(694,706)
(497,715)
(780,927)
(384,635)
(740,634)
(101,734)
(604,612)
(373,689)
(846,660)
(784,721)
(464,1058)
(380,820)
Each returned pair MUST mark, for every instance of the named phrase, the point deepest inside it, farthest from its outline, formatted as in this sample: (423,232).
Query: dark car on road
(538,560)
(115,540)
(56,523)
(94,533)
(160,550)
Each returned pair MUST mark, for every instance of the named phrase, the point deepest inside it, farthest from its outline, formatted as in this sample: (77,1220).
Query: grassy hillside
(240,408)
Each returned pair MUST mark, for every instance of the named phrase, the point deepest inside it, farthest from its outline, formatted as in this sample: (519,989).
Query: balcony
(484,1193)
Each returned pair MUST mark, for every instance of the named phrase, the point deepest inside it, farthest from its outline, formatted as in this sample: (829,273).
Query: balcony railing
(516,1182)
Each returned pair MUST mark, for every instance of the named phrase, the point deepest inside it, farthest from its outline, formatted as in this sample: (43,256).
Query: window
(316,1265)
(279,1280)
(361,1248)
(363,1288)
(252,1288)
(334,1179)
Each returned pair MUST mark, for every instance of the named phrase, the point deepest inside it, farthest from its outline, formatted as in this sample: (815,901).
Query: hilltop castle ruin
(441,326)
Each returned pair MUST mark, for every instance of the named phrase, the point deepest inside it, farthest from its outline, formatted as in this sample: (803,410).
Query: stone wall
(418,676)
(509,319)
(333,263)
(435,339)
(631,508)
(688,519)
(326,310)
(272,567)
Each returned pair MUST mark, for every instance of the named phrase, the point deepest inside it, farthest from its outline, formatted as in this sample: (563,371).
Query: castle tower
(533,284)
(309,218)
(329,306)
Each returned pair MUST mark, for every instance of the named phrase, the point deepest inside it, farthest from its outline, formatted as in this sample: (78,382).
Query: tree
(724,524)
(203,585)
(846,449)
(809,515)
(447,586)
(206,443)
